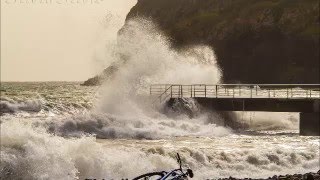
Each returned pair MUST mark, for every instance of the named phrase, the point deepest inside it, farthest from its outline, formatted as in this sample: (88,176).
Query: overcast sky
(57,40)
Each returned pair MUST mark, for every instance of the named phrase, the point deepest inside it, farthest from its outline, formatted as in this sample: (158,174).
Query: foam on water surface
(32,153)
(51,129)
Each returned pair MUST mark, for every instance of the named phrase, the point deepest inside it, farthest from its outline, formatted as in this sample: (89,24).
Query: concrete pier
(309,124)
(301,98)
(260,104)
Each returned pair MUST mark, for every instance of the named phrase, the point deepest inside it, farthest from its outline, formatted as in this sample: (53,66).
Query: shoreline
(305,176)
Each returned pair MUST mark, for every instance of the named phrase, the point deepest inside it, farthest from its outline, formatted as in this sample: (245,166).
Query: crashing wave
(12,106)
(29,152)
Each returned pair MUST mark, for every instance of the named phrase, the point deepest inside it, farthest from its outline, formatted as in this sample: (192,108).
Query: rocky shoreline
(306,176)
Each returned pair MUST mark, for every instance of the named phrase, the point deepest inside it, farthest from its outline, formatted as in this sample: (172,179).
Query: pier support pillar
(309,124)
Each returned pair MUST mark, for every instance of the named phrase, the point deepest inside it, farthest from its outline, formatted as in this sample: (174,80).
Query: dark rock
(249,37)
(107,74)
(307,176)
(310,177)
(316,176)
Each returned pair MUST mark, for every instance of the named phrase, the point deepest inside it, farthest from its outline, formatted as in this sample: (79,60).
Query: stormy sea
(61,130)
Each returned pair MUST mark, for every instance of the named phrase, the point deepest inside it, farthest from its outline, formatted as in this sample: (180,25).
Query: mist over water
(121,135)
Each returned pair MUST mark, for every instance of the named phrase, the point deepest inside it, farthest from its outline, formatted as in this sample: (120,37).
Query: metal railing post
(227,90)
(233,92)
(216,91)
(205,90)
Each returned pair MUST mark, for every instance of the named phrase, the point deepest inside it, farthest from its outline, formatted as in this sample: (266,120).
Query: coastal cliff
(271,41)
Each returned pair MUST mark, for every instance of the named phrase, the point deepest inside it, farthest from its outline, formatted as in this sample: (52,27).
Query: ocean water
(63,130)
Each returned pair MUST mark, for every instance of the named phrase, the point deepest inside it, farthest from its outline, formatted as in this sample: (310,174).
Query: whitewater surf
(62,130)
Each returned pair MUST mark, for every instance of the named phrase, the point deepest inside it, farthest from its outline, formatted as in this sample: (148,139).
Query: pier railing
(289,91)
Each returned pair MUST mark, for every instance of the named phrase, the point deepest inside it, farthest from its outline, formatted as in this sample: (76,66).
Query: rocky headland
(270,41)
